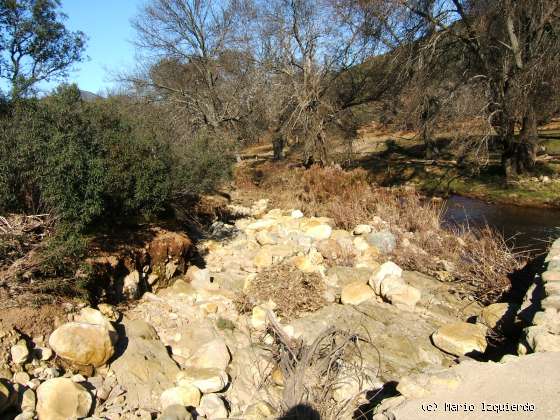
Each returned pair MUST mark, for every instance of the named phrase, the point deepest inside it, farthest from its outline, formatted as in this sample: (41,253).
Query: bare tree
(508,49)
(197,59)
(311,49)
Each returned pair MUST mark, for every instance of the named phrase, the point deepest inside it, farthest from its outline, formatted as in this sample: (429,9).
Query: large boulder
(213,407)
(385,241)
(386,269)
(83,344)
(499,316)
(145,369)
(461,338)
(62,399)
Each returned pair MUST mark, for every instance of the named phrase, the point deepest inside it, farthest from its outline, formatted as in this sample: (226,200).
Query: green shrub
(201,164)
(84,162)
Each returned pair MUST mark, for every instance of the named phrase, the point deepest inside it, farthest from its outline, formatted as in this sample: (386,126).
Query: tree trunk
(430,147)
(520,152)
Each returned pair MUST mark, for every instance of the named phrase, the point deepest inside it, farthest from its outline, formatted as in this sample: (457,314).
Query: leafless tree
(507,49)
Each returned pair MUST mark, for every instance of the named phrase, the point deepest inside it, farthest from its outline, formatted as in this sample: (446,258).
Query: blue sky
(109,47)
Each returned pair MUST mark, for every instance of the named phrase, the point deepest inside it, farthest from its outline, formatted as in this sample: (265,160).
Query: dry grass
(293,291)
(312,373)
(477,259)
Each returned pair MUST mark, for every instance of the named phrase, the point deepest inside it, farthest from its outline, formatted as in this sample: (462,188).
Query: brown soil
(32,321)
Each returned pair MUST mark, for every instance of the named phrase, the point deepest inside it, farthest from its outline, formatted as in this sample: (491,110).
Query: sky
(109,48)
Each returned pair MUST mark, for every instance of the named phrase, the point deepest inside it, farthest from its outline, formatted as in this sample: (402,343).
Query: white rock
(362,229)
(131,285)
(213,407)
(407,296)
(206,380)
(296,214)
(319,232)
(461,338)
(187,396)
(19,352)
(386,269)
(356,293)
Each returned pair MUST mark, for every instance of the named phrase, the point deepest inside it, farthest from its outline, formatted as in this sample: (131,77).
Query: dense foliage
(89,162)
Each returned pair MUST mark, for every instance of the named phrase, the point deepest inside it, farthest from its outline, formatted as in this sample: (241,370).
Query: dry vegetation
(293,291)
(477,259)
(313,372)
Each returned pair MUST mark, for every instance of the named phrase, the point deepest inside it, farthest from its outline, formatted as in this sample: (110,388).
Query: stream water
(524,227)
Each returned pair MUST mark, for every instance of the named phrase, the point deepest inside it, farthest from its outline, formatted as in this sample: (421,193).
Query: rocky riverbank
(282,310)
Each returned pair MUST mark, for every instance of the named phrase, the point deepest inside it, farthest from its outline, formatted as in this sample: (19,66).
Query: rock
(28,402)
(330,249)
(19,352)
(263,259)
(391,284)
(406,296)
(339,276)
(145,369)
(296,214)
(499,316)
(43,353)
(481,382)
(277,377)
(92,316)
(131,285)
(461,338)
(319,231)
(386,269)
(83,344)
(356,293)
(213,407)
(169,246)
(260,410)
(175,412)
(362,229)
(385,241)
(264,237)
(211,355)
(208,380)
(258,317)
(62,399)
(307,263)
(199,278)
(360,244)
(21,378)
(187,396)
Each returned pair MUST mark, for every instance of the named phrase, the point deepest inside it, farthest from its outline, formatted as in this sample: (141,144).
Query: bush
(83,162)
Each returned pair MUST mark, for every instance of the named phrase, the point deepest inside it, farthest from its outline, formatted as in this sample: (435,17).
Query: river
(526,228)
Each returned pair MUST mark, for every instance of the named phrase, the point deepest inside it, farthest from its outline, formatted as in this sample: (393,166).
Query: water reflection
(527,228)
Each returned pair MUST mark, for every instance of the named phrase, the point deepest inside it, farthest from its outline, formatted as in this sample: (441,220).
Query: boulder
(131,285)
(406,296)
(199,278)
(296,214)
(330,249)
(19,352)
(167,246)
(261,410)
(385,241)
(356,293)
(213,407)
(187,396)
(62,399)
(362,229)
(145,369)
(386,269)
(208,380)
(319,231)
(211,355)
(175,412)
(461,338)
(93,316)
(83,344)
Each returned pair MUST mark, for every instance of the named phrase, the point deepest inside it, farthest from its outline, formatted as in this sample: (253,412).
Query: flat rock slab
(531,381)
